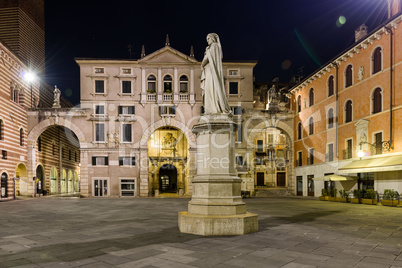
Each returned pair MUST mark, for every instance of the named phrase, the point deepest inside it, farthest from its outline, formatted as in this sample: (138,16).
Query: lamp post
(30,77)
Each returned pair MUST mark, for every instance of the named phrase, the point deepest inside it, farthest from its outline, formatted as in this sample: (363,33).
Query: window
(348,76)
(236,110)
(377,100)
(299,131)
(260,146)
(233,88)
(21,137)
(16,95)
(53,149)
(99,132)
(239,160)
(330,157)
(126,71)
(330,118)
(311,126)
(39,144)
(376,60)
(126,161)
(4,154)
(233,72)
(183,84)
(126,110)
(167,84)
(100,187)
(126,132)
(167,110)
(100,160)
(311,97)
(99,70)
(99,109)
(299,160)
(348,150)
(378,143)
(330,86)
(126,87)
(311,156)
(348,111)
(69,154)
(299,103)
(127,187)
(151,83)
(1,130)
(239,133)
(99,86)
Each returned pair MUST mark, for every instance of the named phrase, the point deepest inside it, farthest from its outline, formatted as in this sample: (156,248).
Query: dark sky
(283,36)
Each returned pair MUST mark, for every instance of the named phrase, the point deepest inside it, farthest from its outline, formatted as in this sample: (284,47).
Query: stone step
(266,192)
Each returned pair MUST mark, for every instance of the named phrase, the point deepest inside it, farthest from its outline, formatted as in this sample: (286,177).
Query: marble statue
(215,101)
(57,93)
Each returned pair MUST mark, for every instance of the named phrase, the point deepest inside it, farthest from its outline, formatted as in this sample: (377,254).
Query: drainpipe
(390,84)
(337,110)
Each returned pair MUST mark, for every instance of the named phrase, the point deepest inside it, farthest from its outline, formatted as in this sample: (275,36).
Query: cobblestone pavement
(142,232)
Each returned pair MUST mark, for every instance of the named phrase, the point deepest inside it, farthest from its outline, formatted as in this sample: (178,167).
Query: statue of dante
(57,93)
(215,101)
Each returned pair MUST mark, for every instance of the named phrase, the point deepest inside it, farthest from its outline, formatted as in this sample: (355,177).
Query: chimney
(360,32)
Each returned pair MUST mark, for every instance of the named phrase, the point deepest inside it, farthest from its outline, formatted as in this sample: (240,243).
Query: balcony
(151,97)
(183,97)
(167,97)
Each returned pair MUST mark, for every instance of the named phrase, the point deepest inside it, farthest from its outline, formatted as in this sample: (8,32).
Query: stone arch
(191,138)
(21,172)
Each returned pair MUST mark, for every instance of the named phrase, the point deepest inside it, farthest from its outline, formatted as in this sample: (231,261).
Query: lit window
(99,86)
(99,70)
(126,87)
(233,88)
(167,84)
(151,83)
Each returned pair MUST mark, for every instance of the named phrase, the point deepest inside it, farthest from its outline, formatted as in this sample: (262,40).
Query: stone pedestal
(216,207)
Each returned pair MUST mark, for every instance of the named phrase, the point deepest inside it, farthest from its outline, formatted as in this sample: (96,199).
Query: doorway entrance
(100,187)
(40,181)
(260,179)
(168,179)
(4,187)
(310,184)
(281,179)
(299,184)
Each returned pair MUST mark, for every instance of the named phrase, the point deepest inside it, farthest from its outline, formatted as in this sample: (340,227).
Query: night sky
(285,37)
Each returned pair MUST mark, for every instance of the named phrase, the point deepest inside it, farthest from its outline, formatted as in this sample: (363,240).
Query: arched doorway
(22,178)
(70,182)
(76,183)
(168,179)
(4,185)
(53,180)
(63,186)
(40,179)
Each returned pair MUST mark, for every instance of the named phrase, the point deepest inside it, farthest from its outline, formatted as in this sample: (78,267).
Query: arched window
(311,126)
(376,60)
(167,84)
(331,86)
(299,104)
(21,137)
(183,84)
(151,83)
(331,118)
(348,76)
(377,100)
(311,97)
(348,111)
(1,130)
(299,131)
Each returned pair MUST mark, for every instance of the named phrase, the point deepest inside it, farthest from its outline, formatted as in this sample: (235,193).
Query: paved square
(142,232)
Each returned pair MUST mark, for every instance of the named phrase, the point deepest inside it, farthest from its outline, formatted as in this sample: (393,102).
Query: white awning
(388,163)
(334,177)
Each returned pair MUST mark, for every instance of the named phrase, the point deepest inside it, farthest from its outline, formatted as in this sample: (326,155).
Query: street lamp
(30,77)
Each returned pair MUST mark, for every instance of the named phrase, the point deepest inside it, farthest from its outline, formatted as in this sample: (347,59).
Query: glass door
(100,188)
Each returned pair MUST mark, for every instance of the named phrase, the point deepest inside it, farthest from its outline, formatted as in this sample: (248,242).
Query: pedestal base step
(218,225)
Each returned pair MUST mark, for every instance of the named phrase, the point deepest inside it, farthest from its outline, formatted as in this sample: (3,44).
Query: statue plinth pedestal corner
(216,206)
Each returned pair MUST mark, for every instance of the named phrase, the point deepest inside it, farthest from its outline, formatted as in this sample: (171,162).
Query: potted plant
(357,196)
(388,198)
(333,194)
(324,195)
(370,198)
(343,196)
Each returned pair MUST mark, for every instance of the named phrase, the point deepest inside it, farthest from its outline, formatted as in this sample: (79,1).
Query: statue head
(213,38)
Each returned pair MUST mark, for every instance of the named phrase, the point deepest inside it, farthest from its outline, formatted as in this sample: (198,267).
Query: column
(175,86)
(160,86)
(192,94)
(143,86)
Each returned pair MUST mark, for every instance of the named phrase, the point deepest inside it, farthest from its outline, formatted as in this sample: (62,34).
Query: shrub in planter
(357,195)
(389,196)
(333,197)
(370,198)
(324,195)
(343,196)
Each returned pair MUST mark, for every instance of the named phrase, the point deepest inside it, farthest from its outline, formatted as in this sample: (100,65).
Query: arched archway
(76,183)
(63,183)
(53,180)
(70,182)
(4,184)
(22,176)
(168,179)
(40,179)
